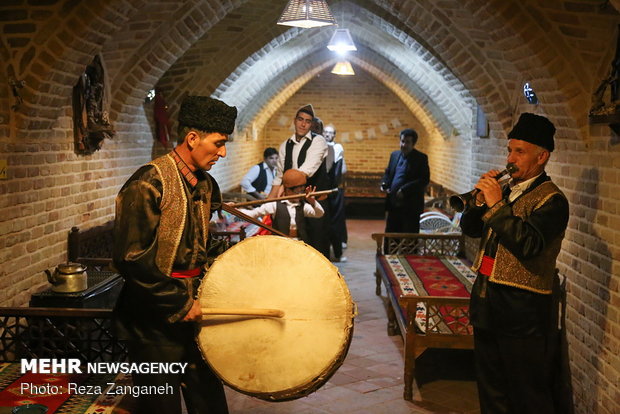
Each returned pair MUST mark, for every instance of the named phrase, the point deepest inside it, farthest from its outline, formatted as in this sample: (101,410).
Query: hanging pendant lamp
(343,68)
(306,14)
(341,41)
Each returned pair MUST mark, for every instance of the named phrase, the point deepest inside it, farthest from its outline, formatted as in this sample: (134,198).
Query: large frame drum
(275,359)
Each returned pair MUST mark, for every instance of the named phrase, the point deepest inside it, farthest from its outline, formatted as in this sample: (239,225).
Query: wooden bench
(438,320)
(362,196)
(92,247)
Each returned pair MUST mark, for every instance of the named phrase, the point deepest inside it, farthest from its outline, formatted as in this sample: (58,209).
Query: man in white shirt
(336,167)
(288,216)
(258,180)
(306,152)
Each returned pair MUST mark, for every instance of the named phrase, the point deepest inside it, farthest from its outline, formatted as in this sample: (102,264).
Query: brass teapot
(68,278)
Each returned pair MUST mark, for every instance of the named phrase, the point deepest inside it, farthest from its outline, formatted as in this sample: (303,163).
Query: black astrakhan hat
(534,129)
(207,114)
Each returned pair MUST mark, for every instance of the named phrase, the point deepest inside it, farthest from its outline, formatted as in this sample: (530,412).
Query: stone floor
(370,381)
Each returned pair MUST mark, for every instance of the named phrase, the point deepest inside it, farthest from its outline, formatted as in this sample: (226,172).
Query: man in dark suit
(405,181)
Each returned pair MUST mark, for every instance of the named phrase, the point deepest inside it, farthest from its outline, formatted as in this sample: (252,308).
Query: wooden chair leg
(410,356)
(408,392)
(378,282)
(392,326)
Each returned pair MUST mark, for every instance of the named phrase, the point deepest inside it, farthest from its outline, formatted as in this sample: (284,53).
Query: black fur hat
(207,114)
(534,129)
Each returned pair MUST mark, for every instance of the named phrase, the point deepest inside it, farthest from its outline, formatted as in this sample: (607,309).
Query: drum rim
(313,385)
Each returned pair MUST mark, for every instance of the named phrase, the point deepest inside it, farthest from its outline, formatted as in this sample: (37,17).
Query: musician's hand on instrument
(194,314)
(490,174)
(490,188)
(310,199)
(479,199)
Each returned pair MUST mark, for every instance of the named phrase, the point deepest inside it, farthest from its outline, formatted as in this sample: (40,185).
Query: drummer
(162,249)
(289,216)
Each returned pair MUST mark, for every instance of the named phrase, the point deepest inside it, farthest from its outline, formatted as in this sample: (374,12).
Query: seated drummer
(289,216)
(162,248)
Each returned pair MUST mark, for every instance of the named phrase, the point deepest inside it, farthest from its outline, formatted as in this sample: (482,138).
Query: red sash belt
(181,274)
(486,267)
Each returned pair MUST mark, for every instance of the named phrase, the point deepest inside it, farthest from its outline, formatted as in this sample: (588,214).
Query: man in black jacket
(405,181)
(162,248)
(512,308)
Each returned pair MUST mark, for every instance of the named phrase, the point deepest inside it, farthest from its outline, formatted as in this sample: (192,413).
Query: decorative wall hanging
(16,86)
(162,121)
(606,105)
(90,121)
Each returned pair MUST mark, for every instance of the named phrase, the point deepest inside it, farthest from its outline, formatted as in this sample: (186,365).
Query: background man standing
(162,249)
(336,168)
(512,308)
(257,182)
(405,181)
(306,152)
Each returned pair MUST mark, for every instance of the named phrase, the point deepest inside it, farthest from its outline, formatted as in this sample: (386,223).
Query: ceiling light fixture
(306,14)
(343,68)
(341,42)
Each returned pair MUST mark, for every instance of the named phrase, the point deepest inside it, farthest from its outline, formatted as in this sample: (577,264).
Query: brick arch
(125,31)
(256,113)
(161,49)
(51,61)
(438,88)
(421,68)
(462,50)
(416,100)
(260,110)
(489,43)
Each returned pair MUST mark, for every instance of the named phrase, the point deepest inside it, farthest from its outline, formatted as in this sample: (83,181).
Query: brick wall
(483,49)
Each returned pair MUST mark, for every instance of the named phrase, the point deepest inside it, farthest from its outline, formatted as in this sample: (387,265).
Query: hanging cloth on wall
(90,121)
(162,121)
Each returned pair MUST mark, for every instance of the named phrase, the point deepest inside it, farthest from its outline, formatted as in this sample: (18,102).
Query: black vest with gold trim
(173,208)
(534,274)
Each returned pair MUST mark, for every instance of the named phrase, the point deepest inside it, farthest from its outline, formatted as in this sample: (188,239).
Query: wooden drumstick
(270,313)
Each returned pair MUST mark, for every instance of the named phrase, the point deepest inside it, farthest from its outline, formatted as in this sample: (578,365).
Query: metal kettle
(68,278)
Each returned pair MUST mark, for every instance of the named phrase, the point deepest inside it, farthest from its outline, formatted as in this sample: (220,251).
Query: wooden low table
(427,283)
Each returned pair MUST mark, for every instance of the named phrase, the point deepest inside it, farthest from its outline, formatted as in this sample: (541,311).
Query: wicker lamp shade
(306,14)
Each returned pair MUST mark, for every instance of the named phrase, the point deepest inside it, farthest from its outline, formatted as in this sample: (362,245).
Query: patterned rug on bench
(445,276)
(51,390)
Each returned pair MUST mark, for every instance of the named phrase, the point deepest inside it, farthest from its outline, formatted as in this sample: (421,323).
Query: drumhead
(275,359)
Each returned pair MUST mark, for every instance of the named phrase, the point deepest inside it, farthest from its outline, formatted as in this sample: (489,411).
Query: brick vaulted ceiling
(440,57)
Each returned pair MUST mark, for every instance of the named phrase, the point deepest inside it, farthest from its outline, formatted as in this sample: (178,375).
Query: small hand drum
(290,322)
